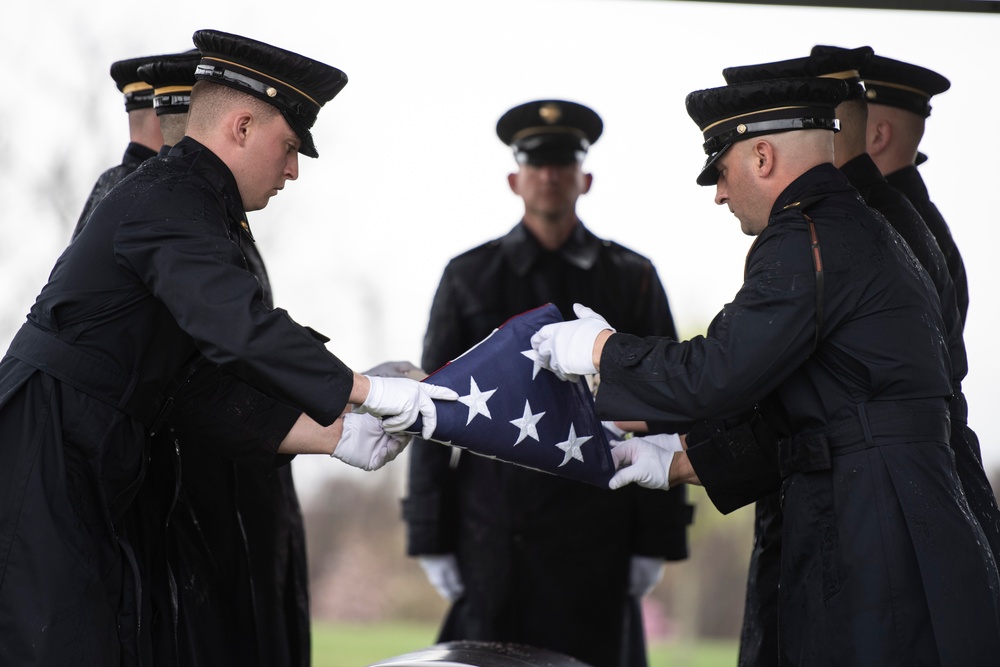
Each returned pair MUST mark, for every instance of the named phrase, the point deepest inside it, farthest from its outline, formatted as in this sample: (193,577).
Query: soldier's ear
(877,137)
(588,180)
(763,157)
(241,126)
(512,182)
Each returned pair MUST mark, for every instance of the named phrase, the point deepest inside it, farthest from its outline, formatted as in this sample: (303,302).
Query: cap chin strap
(264,91)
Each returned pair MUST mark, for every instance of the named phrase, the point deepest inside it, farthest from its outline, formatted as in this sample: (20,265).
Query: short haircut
(173,126)
(210,100)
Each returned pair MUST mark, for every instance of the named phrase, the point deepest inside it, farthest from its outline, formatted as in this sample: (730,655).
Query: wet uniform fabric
(135,154)
(545,560)
(220,526)
(156,275)
(759,636)
(909,181)
(881,562)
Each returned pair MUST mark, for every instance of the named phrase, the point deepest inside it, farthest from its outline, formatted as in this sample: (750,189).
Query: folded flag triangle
(512,409)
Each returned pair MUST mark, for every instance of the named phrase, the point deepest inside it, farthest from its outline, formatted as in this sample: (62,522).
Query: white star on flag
(536,361)
(572,446)
(476,400)
(527,424)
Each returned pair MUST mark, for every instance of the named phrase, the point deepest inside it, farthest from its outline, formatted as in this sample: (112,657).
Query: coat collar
(202,161)
(909,181)
(820,179)
(522,250)
(863,174)
(135,154)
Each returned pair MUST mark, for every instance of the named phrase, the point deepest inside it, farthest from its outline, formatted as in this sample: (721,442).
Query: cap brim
(307,147)
(709,174)
(554,157)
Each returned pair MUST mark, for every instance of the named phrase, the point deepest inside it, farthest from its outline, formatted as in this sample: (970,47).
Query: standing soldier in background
(145,137)
(899,96)
(524,556)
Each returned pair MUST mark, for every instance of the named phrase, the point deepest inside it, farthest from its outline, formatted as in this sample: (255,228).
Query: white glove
(646,460)
(615,430)
(567,348)
(400,401)
(643,575)
(442,572)
(364,444)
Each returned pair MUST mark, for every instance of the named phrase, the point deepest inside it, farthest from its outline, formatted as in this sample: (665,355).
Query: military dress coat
(544,560)
(759,635)
(155,276)
(845,353)
(220,527)
(135,154)
(906,218)
(909,181)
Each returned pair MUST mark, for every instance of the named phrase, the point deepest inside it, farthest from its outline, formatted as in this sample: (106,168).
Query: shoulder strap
(817,258)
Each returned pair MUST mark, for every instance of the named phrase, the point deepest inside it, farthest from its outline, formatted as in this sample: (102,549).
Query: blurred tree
(357,561)
(704,595)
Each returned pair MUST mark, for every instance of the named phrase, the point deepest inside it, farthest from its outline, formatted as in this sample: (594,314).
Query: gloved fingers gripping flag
(512,409)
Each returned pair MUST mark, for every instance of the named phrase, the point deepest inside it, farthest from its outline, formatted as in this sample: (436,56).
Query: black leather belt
(876,425)
(98,377)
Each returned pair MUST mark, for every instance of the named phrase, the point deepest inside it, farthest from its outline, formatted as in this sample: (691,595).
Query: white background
(412,173)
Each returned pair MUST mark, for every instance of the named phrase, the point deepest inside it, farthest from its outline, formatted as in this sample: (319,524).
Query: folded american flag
(512,409)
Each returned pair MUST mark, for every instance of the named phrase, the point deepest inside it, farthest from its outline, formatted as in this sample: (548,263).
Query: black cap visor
(551,148)
(709,174)
(307,147)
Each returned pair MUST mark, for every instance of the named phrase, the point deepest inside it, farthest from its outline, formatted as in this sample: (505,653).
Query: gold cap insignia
(550,113)
(741,128)
(271,92)
(871,94)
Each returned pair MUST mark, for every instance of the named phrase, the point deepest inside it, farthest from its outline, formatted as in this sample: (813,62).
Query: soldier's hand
(365,444)
(644,460)
(399,401)
(567,348)
(443,573)
(643,575)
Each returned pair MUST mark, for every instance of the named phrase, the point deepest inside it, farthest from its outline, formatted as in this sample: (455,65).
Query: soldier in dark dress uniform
(759,644)
(528,557)
(218,511)
(899,96)
(839,328)
(145,137)
(156,277)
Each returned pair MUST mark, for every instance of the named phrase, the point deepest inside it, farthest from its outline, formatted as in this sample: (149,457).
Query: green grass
(694,653)
(358,645)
